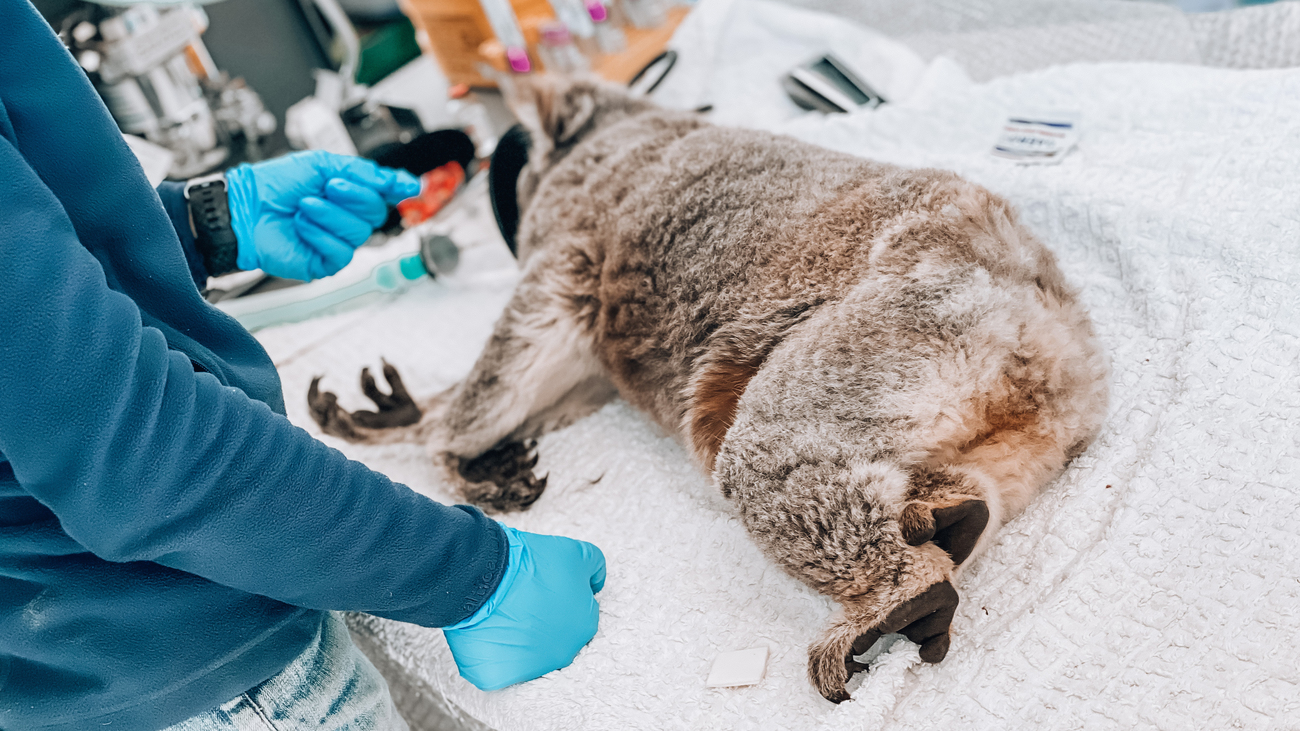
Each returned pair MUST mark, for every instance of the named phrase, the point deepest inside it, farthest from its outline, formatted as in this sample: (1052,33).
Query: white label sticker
(1037,139)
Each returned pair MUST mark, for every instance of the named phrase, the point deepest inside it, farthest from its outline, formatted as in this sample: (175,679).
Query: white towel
(1156,584)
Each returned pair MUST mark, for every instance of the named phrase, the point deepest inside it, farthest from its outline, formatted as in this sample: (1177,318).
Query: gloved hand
(542,613)
(302,215)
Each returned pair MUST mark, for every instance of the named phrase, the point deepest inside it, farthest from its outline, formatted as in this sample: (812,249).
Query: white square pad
(734,669)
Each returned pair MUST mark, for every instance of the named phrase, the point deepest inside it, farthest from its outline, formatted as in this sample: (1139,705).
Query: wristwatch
(214,236)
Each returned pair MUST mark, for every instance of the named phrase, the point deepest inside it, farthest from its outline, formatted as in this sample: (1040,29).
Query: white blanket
(1155,585)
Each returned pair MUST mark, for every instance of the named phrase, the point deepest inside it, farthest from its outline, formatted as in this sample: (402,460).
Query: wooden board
(455,31)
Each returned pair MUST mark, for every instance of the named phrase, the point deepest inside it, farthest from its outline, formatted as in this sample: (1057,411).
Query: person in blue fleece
(173,552)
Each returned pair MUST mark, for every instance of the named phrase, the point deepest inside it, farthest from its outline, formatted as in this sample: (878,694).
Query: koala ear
(552,108)
(955,526)
(532,99)
(571,116)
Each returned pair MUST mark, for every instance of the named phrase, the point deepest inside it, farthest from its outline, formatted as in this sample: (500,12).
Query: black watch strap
(214,237)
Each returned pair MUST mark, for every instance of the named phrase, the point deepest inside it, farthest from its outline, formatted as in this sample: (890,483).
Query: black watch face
(204,186)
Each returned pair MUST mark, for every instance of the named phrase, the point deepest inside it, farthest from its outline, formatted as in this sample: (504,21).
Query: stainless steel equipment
(157,79)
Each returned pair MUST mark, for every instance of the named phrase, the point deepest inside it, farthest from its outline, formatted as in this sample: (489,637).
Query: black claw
(395,381)
(372,392)
(314,399)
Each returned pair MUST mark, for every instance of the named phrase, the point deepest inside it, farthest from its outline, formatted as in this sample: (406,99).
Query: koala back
(691,251)
(875,364)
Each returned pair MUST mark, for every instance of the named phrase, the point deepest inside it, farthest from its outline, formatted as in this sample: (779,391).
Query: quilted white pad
(1155,585)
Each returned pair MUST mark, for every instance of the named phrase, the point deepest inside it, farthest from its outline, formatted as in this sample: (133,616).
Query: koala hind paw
(924,619)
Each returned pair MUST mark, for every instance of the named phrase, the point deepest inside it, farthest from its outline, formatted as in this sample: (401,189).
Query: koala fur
(878,366)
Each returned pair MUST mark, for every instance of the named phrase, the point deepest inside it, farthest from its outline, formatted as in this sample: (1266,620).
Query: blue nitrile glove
(302,215)
(542,613)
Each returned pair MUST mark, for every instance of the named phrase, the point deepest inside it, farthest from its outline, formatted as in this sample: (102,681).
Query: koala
(877,366)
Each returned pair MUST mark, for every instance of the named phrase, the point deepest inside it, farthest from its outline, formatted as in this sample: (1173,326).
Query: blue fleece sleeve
(143,459)
(172,195)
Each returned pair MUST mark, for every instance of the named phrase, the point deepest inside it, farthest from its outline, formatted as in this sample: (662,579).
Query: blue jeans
(331,686)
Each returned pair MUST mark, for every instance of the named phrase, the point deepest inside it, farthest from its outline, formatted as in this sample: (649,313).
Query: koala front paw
(501,480)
